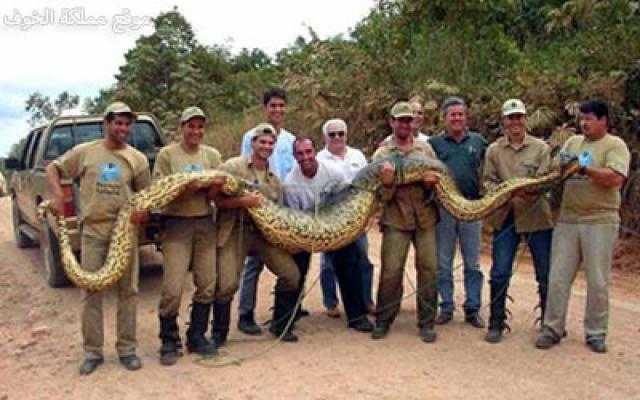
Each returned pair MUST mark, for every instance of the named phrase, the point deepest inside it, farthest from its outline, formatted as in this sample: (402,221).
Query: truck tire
(22,240)
(50,248)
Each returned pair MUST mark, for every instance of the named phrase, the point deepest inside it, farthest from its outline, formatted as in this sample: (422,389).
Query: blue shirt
(463,159)
(281,161)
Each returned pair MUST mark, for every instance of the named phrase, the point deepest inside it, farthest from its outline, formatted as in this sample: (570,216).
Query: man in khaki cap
(528,214)
(110,171)
(587,228)
(238,236)
(416,104)
(409,216)
(188,240)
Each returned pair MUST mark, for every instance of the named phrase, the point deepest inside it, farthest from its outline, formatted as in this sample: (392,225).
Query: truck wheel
(21,239)
(50,248)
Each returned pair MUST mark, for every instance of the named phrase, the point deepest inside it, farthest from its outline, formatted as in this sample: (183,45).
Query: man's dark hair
(596,107)
(300,139)
(274,92)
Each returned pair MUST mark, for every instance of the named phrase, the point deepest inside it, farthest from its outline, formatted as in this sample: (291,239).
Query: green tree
(42,110)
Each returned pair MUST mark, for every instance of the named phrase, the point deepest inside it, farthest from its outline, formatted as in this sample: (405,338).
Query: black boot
(498,313)
(169,351)
(196,342)
(247,324)
(284,307)
(220,322)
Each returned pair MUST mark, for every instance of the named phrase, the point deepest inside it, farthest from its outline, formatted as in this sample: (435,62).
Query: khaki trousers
(395,248)
(246,238)
(187,242)
(592,247)
(94,252)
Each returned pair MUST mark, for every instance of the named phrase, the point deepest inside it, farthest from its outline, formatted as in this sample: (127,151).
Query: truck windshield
(143,137)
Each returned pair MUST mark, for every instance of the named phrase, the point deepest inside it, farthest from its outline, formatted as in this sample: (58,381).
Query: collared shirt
(583,201)
(281,161)
(464,160)
(421,137)
(266,182)
(504,161)
(407,207)
(304,193)
(174,159)
(352,162)
(107,179)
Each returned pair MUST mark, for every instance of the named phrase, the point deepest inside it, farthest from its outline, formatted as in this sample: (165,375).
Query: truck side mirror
(12,163)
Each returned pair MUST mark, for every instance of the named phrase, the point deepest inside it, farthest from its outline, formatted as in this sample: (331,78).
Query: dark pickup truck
(28,186)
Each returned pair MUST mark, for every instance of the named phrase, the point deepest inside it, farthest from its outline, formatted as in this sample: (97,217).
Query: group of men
(212,235)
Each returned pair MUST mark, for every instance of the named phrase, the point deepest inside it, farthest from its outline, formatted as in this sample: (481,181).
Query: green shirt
(174,159)
(583,201)
(265,181)
(107,179)
(407,207)
(464,160)
(503,161)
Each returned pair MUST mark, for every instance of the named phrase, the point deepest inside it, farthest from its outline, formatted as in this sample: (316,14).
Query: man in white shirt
(349,161)
(306,187)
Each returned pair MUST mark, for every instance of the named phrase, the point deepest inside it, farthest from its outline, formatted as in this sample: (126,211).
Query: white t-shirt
(305,193)
(350,165)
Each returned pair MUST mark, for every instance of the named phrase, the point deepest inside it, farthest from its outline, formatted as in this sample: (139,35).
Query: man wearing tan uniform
(528,214)
(110,171)
(587,228)
(188,239)
(409,216)
(238,236)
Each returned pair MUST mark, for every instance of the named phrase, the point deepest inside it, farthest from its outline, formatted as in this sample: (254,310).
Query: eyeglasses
(334,134)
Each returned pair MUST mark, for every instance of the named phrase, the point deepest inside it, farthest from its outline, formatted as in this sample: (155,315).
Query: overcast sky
(51,46)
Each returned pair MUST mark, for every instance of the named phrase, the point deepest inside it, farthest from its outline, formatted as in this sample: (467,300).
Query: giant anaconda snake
(329,228)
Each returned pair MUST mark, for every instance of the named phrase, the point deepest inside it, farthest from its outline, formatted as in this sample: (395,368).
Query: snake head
(568,164)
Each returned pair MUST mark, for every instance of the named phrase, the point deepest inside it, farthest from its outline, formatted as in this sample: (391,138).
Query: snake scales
(331,227)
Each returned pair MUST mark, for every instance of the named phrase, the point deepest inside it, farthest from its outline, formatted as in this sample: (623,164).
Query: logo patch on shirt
(109,173)
(193,168)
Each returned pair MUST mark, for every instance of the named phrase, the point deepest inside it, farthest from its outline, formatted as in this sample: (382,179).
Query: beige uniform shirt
(503,161)
(407,207)
(174,159)
(107,179)
(584,201)
(266,182)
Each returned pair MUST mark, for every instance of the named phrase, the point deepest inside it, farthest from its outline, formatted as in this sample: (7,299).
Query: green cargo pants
(187,242)
(395,248)
(94,252)
(243,239)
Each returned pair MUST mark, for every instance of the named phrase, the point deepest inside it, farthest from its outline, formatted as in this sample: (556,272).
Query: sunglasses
(334,134)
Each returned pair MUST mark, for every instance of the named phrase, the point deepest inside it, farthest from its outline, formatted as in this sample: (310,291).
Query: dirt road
(40,349)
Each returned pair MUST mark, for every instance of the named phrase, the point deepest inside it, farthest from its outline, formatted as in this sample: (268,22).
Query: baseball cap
(402,109)
(262,129)
(118,107)
(192,112)
(513,106)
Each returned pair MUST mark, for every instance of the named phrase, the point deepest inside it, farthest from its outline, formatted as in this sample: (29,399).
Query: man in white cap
(528,214)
